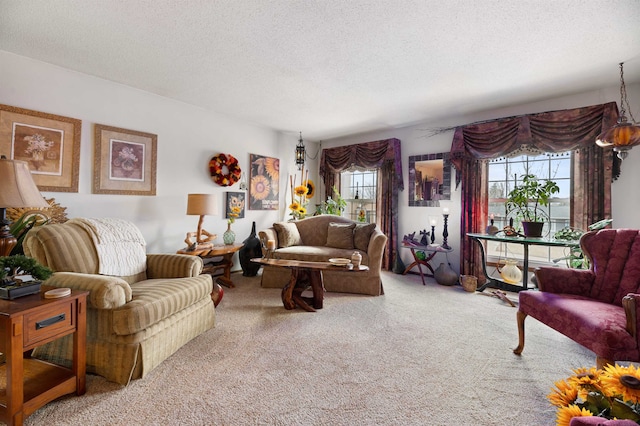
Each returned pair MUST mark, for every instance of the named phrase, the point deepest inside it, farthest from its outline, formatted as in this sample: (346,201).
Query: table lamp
(201,205)
(17,189)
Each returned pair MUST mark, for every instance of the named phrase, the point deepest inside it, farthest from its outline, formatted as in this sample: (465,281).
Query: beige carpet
(419,355)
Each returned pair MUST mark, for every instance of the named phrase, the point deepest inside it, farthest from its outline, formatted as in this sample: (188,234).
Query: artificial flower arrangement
(233,214)
(300,195)
(611,393)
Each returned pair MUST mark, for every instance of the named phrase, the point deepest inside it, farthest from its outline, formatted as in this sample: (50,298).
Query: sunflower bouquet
(233,214)
(611,393)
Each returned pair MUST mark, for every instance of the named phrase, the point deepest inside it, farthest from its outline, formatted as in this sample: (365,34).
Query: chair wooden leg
(602,362)
(521,316)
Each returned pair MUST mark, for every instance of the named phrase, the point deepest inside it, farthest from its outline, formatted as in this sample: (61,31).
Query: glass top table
(525,242)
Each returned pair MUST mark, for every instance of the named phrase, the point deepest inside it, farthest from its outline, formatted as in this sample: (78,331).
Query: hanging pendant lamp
(624,135)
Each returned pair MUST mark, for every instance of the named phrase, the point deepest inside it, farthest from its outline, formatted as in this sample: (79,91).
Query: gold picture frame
(124,161)
(49,143)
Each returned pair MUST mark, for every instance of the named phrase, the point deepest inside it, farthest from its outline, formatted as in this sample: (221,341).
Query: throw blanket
(119,243)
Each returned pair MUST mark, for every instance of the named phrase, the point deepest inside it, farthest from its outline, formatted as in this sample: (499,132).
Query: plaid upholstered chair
(598,308)
(141,308)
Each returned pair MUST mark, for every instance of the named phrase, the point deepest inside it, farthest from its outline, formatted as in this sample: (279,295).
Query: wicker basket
(469,283)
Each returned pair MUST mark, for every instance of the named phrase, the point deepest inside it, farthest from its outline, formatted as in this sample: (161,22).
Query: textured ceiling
(335,67)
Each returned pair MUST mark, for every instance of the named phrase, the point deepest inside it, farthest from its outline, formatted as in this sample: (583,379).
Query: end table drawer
(47,323)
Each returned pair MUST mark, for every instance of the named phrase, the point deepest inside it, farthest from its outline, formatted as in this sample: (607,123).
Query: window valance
(370,155)
(554,131)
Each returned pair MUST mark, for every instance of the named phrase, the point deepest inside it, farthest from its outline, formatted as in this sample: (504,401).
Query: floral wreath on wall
(216,169)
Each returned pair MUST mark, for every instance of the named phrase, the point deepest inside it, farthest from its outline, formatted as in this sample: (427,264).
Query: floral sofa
(134,321)
(320,238)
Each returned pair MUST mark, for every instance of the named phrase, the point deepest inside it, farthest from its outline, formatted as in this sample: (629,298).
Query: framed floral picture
(235,205)
(264,182)
(124,162)
(49,143)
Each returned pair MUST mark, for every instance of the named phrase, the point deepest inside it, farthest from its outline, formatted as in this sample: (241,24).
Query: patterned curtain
(555,131)
(385,156)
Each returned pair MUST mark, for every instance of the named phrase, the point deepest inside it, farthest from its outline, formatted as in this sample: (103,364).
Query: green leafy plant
(576,258)
(526,198)
(336,206)
(12,266)
(20,227)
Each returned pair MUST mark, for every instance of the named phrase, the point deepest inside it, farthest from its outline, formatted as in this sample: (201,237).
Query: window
(503,174)
(359,189)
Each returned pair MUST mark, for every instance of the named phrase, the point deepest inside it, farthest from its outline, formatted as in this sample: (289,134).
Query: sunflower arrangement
(233,214)
(611,393)
(300,195)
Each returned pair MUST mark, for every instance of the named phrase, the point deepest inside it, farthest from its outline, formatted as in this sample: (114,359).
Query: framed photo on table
(124,162)
(237,200)
(49,143)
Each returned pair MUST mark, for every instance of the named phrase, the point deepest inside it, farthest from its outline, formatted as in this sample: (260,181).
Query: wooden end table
(32,321)
(304,275)
(225,252)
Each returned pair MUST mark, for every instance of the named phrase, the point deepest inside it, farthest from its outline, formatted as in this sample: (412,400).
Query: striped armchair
(133,322)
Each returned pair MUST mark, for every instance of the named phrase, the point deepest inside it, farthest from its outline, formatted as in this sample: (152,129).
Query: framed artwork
(235,199)
(124,162)
(264,182)
(49,143)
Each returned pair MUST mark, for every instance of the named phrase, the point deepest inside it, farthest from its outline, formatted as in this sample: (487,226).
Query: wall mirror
(429,179)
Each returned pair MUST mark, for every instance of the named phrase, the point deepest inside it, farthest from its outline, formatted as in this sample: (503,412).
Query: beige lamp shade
(17,188)
(201,204)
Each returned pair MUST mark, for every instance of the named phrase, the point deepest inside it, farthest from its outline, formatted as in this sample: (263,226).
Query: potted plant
(332,206)
(525,200)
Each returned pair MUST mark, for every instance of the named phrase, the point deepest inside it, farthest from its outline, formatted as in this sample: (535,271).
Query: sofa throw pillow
(288,234)
(340,235)
(362,235)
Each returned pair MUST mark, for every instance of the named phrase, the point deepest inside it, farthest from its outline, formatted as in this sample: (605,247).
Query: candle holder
(268,247)
(445,232)
(492,229)
(433,221)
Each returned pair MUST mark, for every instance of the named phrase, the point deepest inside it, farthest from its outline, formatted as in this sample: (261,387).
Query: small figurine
(424,241)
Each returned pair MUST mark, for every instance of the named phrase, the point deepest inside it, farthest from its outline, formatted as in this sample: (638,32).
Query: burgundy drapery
(383,155)
(555,131)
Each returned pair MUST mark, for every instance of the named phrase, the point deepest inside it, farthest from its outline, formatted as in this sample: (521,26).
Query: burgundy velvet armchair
(598,308)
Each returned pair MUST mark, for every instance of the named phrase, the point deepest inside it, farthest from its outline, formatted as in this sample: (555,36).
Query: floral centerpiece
(611,393)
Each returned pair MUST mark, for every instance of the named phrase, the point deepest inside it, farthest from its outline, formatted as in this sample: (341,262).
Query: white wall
(419,139)
(187,138)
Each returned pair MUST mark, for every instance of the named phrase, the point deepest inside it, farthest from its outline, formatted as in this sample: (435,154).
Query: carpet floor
(418,355)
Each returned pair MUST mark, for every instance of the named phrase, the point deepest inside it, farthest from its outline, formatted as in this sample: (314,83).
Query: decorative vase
(356,258)
(510,272)
(444,275)
(251,248)
(229,237)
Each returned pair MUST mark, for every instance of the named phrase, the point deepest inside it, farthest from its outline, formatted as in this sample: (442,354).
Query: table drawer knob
(50,321)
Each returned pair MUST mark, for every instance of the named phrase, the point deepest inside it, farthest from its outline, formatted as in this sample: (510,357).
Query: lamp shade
(17,188)
(201,204)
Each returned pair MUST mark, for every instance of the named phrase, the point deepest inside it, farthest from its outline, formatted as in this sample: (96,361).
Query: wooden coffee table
(305,274)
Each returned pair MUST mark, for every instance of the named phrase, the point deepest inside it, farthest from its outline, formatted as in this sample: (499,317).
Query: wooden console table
(526,242)
(225,252)
(432,250)
(32,321)
(303,275)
